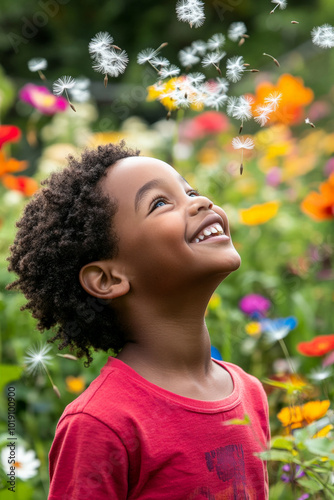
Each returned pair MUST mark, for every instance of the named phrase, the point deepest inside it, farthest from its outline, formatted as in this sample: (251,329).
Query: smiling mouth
(211,231)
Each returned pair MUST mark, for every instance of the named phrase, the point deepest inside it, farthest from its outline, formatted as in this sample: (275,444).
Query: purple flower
(41,98)
(292,473)
(304,496)
(253,304)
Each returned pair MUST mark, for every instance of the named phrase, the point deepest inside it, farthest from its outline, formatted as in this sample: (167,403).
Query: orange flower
(318,346)
(11,165)
(294,98)
(75,384)
(259,214)
(299,416)
(320,206)
(25,185)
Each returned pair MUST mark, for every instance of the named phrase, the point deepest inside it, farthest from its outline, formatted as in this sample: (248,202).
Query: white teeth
(201,237)
(213,230)
(197,240)
(207,232)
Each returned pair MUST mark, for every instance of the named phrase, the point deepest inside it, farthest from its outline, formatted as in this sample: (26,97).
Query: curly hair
(66,225)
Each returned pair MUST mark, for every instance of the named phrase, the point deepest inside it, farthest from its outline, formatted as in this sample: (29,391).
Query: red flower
(318,346)
(25,185)
(9,133)
(210,122)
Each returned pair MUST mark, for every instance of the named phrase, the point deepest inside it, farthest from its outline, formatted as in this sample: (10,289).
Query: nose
(198,203)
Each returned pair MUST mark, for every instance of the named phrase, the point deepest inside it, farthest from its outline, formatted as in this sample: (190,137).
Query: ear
(102,279)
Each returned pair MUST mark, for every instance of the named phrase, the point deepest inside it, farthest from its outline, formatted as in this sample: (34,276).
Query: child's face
(160,224)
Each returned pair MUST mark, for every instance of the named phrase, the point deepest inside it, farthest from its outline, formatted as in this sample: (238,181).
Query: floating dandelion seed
(190,11)
(149,56)
(38,64)
(294,22)
(282,4)
(62,85)
(213,59)
(237,31)
(199,47)
(100,43)
(109,59)
(195,78)
(273,100)
(273,58)
(235,68)
(188,58)
(261,115)
(323,36)
(161,62)
(216,41)
(240,108)
(169,72)
(37,359)
(242,143)
(308,121)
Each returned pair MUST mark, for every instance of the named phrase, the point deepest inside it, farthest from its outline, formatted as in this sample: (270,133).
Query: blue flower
(277,329)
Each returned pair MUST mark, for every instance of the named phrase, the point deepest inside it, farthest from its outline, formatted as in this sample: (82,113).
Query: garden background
(274,316)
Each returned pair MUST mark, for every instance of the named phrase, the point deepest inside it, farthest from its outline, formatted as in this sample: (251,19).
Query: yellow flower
(324,431)
(259,214)
(299,416)
(75,384)
(101,138)
(253,328)
(214,302)
(155,93)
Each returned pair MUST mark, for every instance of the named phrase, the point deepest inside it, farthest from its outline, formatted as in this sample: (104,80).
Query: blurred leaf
(309,484)
(277,455)
(9,373)
(282,443)
(320,446)
(23,491)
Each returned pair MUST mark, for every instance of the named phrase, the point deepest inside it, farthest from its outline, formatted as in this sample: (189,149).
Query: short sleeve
(88,461)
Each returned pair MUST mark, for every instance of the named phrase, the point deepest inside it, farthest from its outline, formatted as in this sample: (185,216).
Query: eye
(193,192)
(156,203)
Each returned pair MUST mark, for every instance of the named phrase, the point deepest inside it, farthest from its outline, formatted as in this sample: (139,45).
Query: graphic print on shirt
(229,464)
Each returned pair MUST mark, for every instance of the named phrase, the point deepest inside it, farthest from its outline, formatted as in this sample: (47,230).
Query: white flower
(62,84)
(279,3)
(216,41)
(26,463)
(320,374)
(188,58)
(236,31)
(213,58)
(242,143)
(37,64)
(101,42)
(323,36)
(273,100)
(261,115)
(169,72)
(235,68)
(190,11)
(37,358)
(145,56)
(199,47)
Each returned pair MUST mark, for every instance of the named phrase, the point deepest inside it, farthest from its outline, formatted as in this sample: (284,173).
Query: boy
(121,253)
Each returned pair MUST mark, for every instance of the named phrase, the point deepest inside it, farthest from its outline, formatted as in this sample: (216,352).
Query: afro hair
(66,225)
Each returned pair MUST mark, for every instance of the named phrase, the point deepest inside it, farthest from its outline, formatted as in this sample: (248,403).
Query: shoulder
(247,383)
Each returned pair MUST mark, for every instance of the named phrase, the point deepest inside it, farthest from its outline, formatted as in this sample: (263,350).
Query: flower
(293,473)
(277,329)
(75,384)
(320,206)
(259,214)
(254,303)
(37,358)
(299,416)
(190,11)
(214,302)
(236,31)
(320,345)
(207,123)
(253,328)
(11,165)
(41,98)
(25,185)
(320,374)
(26,463)
(294,97)
(9,133)
(323,36)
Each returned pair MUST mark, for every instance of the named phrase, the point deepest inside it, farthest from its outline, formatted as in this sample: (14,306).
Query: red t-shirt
(125,438)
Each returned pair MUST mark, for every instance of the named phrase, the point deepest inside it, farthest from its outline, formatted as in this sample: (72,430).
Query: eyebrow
(141,193)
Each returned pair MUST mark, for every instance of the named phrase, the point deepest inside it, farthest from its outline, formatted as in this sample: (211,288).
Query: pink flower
(274,176)
(42,99)
(207,123)
(253,303)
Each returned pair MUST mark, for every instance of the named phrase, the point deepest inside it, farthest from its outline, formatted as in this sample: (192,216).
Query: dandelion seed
(242,143)
(162,62)
(199,47)
(294,22)
(273,100)
(323,36)
(307,120)
(222,85)
(101,42)
(213,59)
(215,101)
(216,42)
(240,108)
(195,78)
(279,3)
(38,64)
(235,68)
(63,84)
(261,115)
(190,11)
(169,72)
(273,58)
(237,31)
(188,58)
(113,64)
(37,358)
(146,55)
(68,356)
